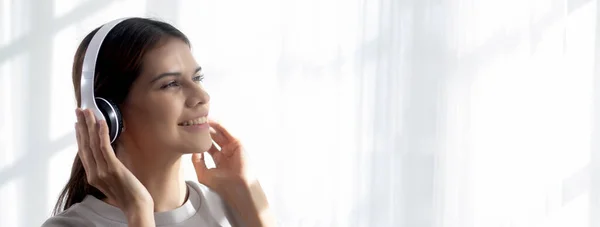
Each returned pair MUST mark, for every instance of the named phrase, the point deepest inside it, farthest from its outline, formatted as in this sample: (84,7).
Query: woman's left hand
(231,164)
(231,179)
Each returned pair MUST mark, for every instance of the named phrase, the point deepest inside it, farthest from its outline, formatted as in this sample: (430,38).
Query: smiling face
(167,106)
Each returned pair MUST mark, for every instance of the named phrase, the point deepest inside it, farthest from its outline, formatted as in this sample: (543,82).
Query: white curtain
(456,113)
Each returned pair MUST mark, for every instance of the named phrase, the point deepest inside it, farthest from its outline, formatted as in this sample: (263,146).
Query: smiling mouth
(197,121)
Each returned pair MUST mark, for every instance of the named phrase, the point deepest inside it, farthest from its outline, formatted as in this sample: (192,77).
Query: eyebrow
(172,74)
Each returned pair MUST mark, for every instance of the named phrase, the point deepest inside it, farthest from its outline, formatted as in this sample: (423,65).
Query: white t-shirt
(203,208)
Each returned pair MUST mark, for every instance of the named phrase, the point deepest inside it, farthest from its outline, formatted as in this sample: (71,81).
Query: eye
(170,84)
(198,78)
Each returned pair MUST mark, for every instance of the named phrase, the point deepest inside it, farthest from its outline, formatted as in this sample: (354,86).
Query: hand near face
(231,179)
(102,168)
(230,161)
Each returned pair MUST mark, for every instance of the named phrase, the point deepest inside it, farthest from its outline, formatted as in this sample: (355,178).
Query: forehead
(173,55)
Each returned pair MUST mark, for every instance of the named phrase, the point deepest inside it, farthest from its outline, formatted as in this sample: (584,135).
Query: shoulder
(67,218)
(206,194)
(196,186)
(204,190)
(212,202)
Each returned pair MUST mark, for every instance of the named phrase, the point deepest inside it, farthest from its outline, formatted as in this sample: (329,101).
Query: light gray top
(204,207)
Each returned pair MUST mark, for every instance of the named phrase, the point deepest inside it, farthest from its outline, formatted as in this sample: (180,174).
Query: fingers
(105,147)
(199,165)
(205,175)
(218,137)
(235,147)
(84,151)
(213,149)
(220,134)
(80,152)
(229,144)
(94,140)
(215,154)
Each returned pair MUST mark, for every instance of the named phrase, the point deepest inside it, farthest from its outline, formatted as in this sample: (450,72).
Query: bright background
(441,113)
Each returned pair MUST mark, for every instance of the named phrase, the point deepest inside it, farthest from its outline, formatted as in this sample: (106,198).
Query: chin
(197,146)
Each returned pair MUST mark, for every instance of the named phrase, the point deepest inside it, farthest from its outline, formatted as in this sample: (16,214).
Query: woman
(146,68)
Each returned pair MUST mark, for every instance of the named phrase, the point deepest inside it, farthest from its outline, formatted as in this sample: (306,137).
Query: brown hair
(118,64)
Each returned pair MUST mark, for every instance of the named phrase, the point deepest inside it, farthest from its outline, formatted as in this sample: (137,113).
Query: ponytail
(76,189)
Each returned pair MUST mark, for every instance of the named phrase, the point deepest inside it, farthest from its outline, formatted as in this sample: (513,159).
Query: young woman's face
(167,106)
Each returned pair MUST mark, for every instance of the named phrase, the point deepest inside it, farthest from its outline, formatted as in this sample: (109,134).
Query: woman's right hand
(106,172)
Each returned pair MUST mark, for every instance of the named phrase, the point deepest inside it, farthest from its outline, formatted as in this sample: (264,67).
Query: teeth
(197,121)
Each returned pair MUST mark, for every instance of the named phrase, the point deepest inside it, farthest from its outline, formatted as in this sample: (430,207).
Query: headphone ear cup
(113,117)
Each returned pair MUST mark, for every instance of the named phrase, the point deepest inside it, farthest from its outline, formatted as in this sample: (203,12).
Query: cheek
(164,110)
(156,120)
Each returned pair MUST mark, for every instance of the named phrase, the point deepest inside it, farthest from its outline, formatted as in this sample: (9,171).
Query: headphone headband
(89,68)
(88,99)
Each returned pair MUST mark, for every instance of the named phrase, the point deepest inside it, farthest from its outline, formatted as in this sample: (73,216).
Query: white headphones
(102,108)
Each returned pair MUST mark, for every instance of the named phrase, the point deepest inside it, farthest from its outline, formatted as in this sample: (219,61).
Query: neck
(159,175)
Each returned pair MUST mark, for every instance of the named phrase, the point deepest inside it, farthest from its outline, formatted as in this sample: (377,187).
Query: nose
(197,95)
